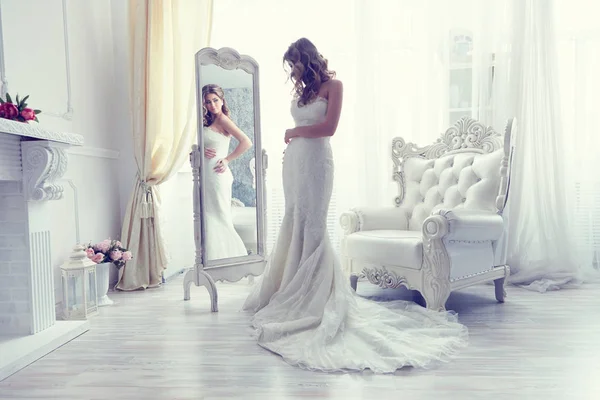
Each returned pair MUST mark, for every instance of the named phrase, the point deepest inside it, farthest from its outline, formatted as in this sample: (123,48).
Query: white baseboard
(17,352)
(170,275)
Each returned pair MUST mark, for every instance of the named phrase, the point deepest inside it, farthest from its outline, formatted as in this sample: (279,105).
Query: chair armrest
(472,225)
(369,219)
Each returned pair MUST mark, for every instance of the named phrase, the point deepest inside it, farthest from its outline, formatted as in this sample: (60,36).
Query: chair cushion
(387,247)
(244,221)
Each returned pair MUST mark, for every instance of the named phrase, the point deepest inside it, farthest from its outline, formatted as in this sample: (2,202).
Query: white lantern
(80,294)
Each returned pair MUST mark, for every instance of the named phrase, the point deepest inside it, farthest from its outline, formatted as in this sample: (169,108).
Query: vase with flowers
(17,110)
(104,254)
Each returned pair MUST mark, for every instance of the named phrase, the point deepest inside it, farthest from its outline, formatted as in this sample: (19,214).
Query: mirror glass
(228,169)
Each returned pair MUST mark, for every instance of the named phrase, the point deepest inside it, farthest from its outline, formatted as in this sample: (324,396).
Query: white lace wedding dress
(222,240)
(304,308)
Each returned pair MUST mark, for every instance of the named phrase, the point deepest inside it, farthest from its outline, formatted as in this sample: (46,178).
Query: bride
(304,308)
(222,240)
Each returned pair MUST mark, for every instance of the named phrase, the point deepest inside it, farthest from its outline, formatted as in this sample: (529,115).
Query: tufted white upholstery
(464,180)
(444,232)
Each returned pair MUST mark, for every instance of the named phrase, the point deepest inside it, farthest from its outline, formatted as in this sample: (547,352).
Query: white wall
(98,97)
(121,49)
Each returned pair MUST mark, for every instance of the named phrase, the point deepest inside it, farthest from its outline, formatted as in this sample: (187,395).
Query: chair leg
(500,285)
(353,282)
(500,292)
(435,299)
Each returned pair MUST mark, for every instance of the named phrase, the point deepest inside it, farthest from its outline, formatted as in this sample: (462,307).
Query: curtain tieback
(146,209)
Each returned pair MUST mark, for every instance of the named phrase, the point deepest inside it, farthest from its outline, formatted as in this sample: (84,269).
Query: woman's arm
(244,143)
(334,110)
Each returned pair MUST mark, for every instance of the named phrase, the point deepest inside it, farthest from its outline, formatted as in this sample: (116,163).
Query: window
(470,92)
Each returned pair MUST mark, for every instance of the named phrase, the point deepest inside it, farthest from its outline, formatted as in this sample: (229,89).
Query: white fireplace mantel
(43,158)
(37,132)
(32,162)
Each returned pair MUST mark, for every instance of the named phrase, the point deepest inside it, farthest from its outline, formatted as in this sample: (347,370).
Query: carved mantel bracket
(44,163)
(43,159)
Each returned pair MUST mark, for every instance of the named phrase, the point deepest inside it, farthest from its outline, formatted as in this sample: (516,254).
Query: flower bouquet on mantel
(17,111)
(105,253)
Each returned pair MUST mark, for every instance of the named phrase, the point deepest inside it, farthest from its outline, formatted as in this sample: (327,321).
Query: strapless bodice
(217,141)
(316,149)
(311,113)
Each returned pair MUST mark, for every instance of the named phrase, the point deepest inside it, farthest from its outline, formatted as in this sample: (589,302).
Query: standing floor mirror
(229,198)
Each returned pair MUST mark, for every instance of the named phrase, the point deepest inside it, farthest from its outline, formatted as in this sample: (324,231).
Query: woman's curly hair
(308,70)
(207,117)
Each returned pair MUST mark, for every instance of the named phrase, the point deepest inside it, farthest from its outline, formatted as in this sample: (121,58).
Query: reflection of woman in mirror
(222,240)
(305,309)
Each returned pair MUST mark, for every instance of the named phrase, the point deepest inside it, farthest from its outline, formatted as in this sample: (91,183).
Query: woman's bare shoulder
(332,85)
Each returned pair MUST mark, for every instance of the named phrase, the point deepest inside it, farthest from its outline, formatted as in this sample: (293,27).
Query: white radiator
(42,282)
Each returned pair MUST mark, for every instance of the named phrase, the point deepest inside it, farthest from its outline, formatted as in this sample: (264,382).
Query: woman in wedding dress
(304,308)
(222,240)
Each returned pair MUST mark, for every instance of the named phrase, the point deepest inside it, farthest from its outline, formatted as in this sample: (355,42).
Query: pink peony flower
(9,111)
(127,256)
(98,258)
(116,255)
(90,252)
(103,246)
(28,114)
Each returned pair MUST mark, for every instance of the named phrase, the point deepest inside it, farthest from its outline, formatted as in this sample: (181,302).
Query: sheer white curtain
(538,60)
(397,86)
(544,251)
(391,56)
(540,244)
(578,37)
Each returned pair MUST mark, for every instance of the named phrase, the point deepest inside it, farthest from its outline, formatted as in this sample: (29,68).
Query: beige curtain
(165,36)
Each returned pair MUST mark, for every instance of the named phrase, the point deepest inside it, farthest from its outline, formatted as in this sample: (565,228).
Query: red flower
(9,111)
(28,114)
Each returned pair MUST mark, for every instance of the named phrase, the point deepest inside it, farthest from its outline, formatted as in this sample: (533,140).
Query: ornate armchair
(446,231)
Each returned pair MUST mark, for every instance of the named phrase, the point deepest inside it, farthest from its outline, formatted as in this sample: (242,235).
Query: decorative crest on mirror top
(229,59)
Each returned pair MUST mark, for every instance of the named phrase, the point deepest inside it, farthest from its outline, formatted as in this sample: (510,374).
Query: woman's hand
(290,134)
(221,166)
(209,152)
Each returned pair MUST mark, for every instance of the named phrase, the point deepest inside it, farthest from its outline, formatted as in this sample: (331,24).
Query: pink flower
(127,256)
(116,255)
(98,258)
(28,114)
(9,111)
(103,246)
(90,252)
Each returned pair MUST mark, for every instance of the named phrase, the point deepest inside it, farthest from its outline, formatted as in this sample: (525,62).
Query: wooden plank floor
(153,345)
